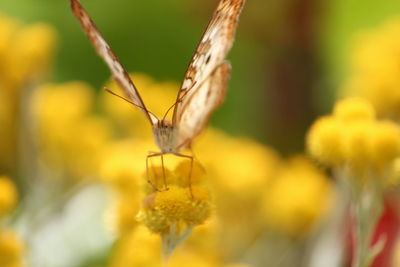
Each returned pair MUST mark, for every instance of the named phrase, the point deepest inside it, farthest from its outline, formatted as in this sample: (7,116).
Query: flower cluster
(353,136)
(174,211)
(363,152)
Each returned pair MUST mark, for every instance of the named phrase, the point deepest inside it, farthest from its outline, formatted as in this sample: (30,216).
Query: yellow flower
(25,52)
(123,163)
(184,169)
(141,248)
(172,212)
(34,49)
(194,259)
(239,166)
(122,217)
(175,206)
(356,143)
(73,138)
(138,248)
(239,170)
(298,197)
(355,137)
(385,142)
(75,98)
(354,110)
(11,249)
(325,141)
(375,74)
(8,28)
(8,196)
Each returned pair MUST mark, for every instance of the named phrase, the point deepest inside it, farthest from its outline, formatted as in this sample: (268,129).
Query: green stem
(367,208)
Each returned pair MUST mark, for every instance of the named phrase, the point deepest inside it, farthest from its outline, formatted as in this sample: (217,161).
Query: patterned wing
(105,52)
(215,44)
(199,105)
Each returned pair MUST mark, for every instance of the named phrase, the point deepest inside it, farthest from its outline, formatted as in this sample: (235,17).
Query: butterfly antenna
(169,109)
(177,101)
(127,100)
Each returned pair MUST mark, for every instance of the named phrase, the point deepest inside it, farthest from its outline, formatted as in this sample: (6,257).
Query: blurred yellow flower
(385,142)
(239,166)
(33,50)
(71,139)
(8,196)
(354,109)
(240,171)
(325,141)
(352,135)
(138,248)
(26,52)
(375,74)
(299,196)
(11,249)
(123,164)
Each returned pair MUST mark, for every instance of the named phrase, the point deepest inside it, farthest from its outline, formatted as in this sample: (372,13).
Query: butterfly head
(166,136)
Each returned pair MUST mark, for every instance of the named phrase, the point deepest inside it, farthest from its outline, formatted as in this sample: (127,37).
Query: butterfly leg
(190,172)
(196,158)
(147,170)
(163,170)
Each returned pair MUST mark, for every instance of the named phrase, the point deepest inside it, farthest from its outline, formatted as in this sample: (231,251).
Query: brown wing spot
(208,95)
(208,59)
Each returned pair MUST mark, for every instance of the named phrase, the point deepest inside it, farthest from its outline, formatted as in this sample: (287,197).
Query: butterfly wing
(105,52)
(209,95)
(207,66)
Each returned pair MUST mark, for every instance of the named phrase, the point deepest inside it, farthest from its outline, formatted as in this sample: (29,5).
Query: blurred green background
(288,59)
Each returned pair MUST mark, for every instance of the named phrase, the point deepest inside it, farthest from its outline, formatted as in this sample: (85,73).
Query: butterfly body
(166,136)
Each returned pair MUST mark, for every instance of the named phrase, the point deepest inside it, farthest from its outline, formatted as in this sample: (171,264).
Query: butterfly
(203,88)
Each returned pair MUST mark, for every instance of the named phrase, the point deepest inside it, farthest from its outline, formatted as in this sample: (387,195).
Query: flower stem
(367,208)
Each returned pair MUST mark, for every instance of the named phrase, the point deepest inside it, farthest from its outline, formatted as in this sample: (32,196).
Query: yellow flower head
(325,141)
(11,249)
(35,45)
(71,139)
(76,99)
(299,196)
(139,248)
(123,164)
(353,110)
(184,170)
(121,218)
(8,28)
(375,72)
(8,196)
(25,52)
(356,138)
(174,206)
(384,142)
